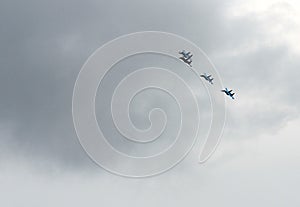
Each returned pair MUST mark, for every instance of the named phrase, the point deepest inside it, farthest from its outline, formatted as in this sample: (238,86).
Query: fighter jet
(186,57)
(187,61)
(185,54)
(228,93)
(207,77)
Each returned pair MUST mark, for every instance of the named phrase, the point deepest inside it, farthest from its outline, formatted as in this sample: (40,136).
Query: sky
(254,46)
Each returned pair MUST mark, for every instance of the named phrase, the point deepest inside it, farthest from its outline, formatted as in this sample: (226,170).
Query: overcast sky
(255,46)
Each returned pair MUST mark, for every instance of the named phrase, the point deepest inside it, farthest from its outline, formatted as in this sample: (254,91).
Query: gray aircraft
(228,92)
(207,77)
(186,57)
(185,54)
(187,61)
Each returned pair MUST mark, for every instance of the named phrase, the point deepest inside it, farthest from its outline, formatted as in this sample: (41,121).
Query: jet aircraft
(207,77)
(186,57)
(187,61)
(228,92)
(185,54)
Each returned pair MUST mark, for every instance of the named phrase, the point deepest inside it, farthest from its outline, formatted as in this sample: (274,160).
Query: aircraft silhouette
(185,54)
(186,57)
(228,92)
(187,61)
(207,77)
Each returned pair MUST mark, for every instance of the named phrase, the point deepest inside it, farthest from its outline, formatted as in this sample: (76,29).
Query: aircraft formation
(186,57)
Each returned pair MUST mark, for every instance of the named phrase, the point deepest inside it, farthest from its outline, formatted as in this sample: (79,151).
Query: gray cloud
(45,43)
(45,47)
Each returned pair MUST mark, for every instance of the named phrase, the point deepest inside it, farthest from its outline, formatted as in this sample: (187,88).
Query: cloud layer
(254,46)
